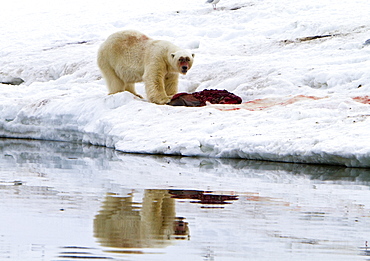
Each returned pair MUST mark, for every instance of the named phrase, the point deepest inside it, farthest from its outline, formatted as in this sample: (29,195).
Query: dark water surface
(62,201)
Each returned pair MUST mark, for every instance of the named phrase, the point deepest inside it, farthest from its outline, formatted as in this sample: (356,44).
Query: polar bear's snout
(184,69)
(184,63)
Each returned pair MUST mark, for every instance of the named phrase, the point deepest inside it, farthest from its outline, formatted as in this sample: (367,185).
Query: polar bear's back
(124,49)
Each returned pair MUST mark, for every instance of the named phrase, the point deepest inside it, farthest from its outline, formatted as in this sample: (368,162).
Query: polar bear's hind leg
(130,87)
(114,83)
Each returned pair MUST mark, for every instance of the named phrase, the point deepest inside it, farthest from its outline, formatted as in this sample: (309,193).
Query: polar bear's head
(182,61)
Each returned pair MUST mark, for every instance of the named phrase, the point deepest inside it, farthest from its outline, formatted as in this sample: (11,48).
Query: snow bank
(298,93)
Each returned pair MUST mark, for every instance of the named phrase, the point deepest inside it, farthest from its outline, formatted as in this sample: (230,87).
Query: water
(63,201)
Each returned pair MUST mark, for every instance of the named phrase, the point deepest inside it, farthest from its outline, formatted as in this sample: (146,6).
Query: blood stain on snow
(262,104)
(362,99)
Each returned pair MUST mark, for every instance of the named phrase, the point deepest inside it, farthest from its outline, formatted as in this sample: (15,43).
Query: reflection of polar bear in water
(123,223)
(128,57)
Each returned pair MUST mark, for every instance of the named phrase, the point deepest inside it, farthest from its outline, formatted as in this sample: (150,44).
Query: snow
(298,93)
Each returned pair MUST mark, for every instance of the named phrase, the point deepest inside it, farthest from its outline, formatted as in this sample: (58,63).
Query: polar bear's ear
(172,55)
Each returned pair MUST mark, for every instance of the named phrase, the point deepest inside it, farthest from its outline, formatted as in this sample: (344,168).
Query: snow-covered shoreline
(120,121)
(244,51)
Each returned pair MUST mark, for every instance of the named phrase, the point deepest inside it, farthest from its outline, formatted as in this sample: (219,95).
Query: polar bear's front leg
(154,86)
(170,84)
(155,92)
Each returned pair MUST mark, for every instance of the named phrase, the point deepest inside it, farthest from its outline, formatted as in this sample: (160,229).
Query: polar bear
(127,57)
